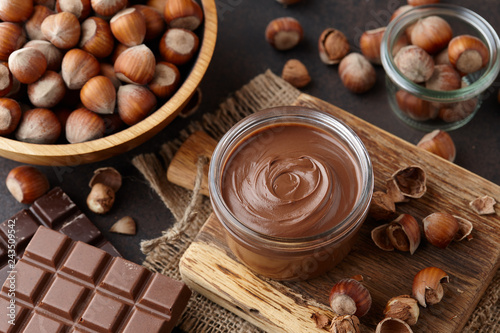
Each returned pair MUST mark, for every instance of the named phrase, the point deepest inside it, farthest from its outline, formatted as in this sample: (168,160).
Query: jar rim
(487,34)
(290,115)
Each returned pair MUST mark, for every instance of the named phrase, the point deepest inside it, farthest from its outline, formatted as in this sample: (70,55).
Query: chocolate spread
(291,181)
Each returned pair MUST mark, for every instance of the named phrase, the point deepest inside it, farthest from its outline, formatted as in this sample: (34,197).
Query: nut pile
(77,70)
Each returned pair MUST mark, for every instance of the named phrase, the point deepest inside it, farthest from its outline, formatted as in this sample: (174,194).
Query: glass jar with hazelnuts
(439,60)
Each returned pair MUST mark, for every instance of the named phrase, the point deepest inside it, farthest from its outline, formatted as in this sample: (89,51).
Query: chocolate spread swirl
(291,181)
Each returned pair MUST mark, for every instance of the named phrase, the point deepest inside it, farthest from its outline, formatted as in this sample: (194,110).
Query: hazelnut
(135,65)
(184,14)
(33,26)
(47,91)
(414,63)
(453,112)
(444,78)
(27,65)
(369,44)
(296,73)
(100,199)
(166,80)
(107,8)
(129,27)
(99,95)
(468,53)
(332,46)
(155,24)
(350,297)
(62,29)
(6,79)
(427,285)
(26,183)
(134,103)
(178,46)
(97,38)
(439,143)
(12,38)
(78,67)
(10,115)
(411,181)
(414,107)
(38,126)
(84,125)
(403,307)
(431,33)
(357,73)
(15,10)
(404,233)
(347,323)
(80,8)
(284,33)
(108,71)
(400,43)
(52,54)
(125,225)
(440,229)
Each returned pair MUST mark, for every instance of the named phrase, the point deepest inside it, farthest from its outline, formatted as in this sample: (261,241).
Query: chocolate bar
(54,210)
(62,285)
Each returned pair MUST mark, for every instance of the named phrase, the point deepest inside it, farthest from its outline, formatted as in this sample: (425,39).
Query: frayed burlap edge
(190,209)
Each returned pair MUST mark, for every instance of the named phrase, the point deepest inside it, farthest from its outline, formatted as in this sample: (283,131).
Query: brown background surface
(241,54)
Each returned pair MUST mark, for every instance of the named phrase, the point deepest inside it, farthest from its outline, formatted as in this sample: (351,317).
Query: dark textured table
(241,54)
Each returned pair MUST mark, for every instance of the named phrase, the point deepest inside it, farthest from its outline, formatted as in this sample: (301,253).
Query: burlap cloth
(191,210)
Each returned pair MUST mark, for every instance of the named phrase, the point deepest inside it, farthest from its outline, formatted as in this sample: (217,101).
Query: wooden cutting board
(209,267)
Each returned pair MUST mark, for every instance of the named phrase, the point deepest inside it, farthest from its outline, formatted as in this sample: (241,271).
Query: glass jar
(427,109)
(291,187)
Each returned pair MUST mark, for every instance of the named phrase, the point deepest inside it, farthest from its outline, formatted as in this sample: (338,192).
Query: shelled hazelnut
(80,8)
(84,125)
(62,29)
(6,79)
(38,126)
(296,73)
(184,14)
(128,26)
(369,44)
(10,115)
(15,10)
(33,25)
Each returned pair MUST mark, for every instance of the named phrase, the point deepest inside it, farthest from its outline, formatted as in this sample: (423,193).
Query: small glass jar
(427,109)
(298,250)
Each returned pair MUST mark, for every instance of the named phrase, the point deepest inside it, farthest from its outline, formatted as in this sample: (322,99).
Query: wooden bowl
(131,137)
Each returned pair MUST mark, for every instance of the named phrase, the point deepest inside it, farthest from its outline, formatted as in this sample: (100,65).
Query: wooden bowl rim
(133,136)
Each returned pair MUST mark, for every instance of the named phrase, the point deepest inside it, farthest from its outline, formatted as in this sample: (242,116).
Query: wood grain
(183,166)
(123,141)
(209,267)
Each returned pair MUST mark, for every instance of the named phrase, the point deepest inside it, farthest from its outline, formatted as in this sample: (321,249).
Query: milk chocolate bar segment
(70,286)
